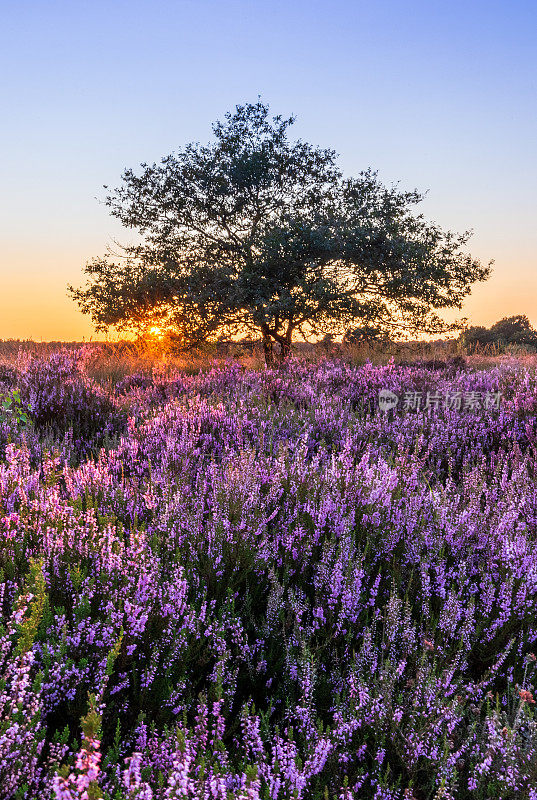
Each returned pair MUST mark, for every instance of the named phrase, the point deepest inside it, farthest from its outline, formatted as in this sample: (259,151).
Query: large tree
(255,232)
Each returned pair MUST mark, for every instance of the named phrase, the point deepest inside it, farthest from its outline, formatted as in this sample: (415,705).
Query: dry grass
(110,362)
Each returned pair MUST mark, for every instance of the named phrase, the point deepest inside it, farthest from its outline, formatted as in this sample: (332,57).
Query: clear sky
(438,95)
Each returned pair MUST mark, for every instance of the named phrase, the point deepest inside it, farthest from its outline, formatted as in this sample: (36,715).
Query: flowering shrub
(61,399)
(265,587)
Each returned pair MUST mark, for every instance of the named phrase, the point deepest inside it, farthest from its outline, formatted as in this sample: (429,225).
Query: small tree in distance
(257,233)
(516,330)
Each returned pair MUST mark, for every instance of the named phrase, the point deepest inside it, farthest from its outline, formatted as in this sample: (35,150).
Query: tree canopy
(255,232)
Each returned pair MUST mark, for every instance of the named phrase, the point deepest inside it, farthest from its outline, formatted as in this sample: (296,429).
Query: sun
(156,332)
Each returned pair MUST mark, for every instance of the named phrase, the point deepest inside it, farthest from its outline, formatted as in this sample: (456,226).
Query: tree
(505,332)
(257,233)
(514,330)
(475,335)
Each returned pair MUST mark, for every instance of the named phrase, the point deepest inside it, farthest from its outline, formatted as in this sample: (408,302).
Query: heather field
(251,583)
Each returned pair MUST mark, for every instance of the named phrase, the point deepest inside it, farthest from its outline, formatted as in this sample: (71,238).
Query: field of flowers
(257,584)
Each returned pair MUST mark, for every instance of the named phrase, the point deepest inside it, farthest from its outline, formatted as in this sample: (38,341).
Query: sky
(439,96)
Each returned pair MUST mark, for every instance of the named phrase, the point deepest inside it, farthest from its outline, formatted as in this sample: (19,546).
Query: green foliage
(36,589)
(12,407)
(91,722)
(255,233)
(113,654)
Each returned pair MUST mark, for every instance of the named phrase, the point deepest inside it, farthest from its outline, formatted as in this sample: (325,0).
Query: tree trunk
(268,349)
(285,352)
(285,343)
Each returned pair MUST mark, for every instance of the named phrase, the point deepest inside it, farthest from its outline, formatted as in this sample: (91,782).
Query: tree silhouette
(257,233)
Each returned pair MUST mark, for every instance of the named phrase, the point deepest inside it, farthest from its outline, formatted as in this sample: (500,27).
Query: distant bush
(503,334)
(366,333)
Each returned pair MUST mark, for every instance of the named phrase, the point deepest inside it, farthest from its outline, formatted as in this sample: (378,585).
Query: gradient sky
(436,95)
